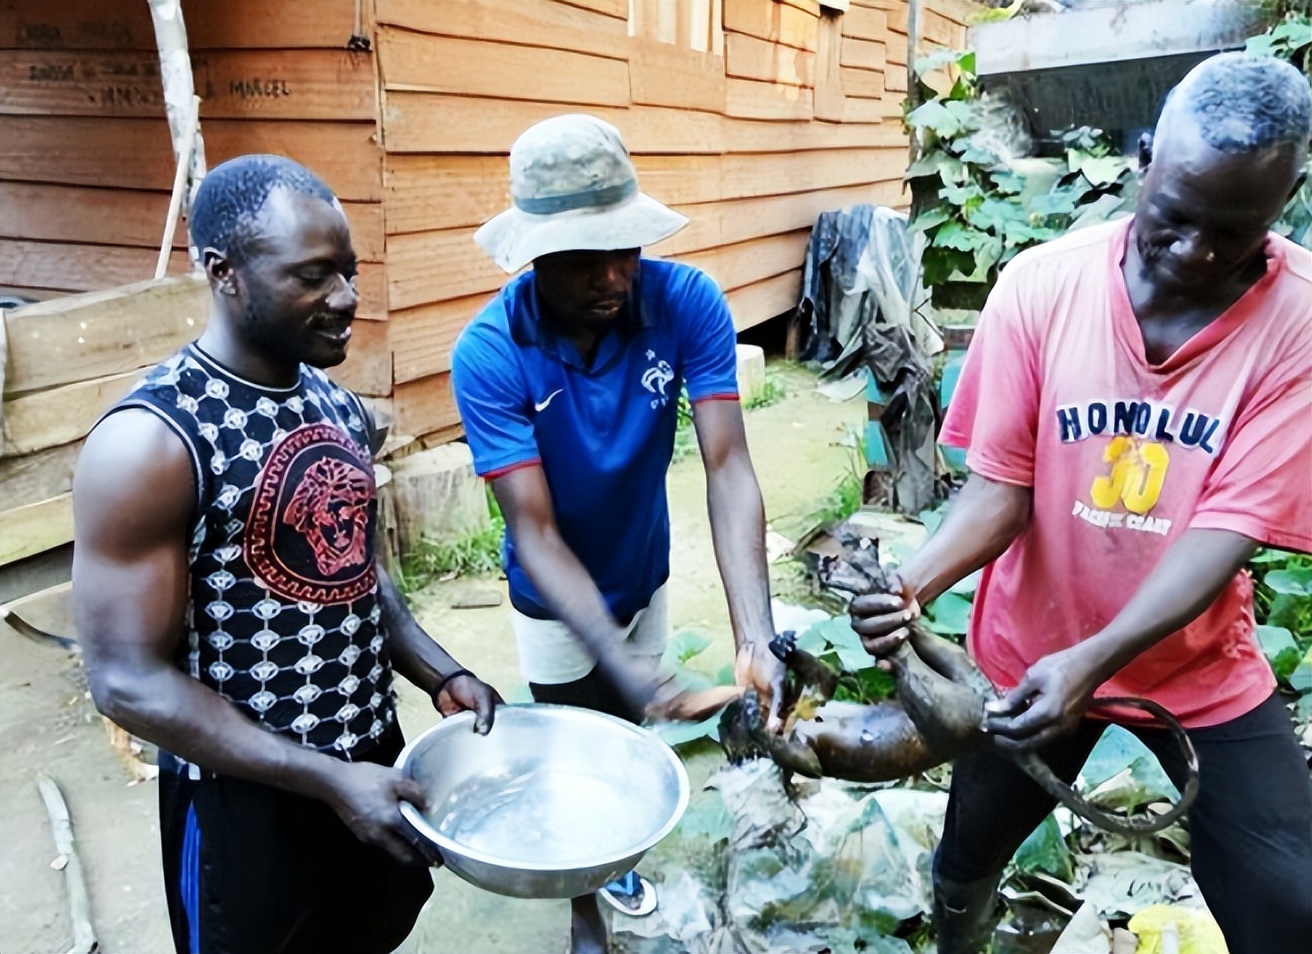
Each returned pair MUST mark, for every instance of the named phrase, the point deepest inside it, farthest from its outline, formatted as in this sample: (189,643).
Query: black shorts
(251,869)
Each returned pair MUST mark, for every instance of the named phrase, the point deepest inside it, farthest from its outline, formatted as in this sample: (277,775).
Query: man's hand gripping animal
(937,715)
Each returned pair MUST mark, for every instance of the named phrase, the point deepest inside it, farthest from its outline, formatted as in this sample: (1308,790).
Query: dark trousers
(250,869)
(1250,828)
(594,691)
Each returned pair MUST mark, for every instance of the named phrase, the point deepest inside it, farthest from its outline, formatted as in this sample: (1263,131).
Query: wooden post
(180,100)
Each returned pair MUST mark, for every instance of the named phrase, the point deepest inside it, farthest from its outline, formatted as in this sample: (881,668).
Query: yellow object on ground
(1167,929)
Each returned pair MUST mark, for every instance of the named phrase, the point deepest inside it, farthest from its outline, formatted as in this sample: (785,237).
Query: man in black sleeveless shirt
(229,604)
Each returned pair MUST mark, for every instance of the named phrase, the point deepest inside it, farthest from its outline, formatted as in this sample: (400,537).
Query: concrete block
(438,495)
(751,372)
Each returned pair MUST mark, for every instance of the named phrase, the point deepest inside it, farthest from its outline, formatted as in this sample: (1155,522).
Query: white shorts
(549,654)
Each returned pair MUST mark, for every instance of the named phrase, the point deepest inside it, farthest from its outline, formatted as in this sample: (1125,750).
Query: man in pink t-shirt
(1138,407)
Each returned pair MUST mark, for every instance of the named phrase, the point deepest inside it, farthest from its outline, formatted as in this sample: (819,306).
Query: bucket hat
(573,188)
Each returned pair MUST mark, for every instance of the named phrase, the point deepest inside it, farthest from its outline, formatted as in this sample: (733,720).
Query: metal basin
(553,803)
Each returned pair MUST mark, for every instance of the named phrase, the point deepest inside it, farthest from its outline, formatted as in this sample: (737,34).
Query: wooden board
(424,406)
(80,83)
(425,192)
(368,365)
(35,528)
(739,220)
(748,57)
(425,267)
(440,123)
(332,85)
(473,67)
(612,8)
(137,153)
(866,84)
(736,266)
(65,266)
(764,300)
(103,25)
(552,25)
(866,54)
(749,99)
(61,415)
(422,338)
(32,478)
(278,25)
(80,337)
(662,74)
(773,21)
(55,213)
(864,23)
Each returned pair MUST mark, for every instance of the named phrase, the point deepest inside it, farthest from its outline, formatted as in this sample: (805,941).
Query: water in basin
(539,814)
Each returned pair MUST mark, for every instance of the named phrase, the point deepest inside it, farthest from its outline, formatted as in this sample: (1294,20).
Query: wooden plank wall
(749,116)
(86,162)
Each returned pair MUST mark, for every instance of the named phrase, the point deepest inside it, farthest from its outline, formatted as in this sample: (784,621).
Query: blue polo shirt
(604,434)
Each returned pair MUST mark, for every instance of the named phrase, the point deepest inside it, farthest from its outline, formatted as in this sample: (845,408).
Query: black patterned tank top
(283,618)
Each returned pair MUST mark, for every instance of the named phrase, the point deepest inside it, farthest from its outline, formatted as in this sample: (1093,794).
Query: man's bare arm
(133,498)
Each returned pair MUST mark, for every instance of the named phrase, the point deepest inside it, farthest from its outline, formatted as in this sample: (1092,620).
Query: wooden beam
(80,337)
(422,338)
(104,25)
(330,85)
(424,406)
(748,57)
(736,266)
(32,478)
(749,99)
(65,266)
(473,67)
(864,23)
(425,267)
(426,192)
(259,24)
(765,300)
(61,415)
(867,84)
(772,21)
(35,528)
(662,74)
(865,54)
(137,153)
(552,25)
(611,8)
(442,123)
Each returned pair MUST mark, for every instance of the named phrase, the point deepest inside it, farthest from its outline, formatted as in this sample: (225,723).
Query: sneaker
(632,895)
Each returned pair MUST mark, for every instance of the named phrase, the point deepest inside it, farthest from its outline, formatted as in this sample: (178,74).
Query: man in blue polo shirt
(568,385)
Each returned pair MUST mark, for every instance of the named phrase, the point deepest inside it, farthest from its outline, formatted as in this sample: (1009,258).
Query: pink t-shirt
(1124,456)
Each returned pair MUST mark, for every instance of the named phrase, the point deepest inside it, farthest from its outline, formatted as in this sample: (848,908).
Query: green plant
(845,497)
(772,392)
(473,554)
(974,208)
(1282,601)
(1290,39)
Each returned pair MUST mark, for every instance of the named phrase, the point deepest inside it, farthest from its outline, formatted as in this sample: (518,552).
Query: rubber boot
(964,913)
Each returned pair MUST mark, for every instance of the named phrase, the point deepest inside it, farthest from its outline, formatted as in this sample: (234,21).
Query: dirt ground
(50,727)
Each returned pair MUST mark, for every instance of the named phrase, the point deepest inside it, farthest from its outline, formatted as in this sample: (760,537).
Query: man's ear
(1145,151)
(219,270)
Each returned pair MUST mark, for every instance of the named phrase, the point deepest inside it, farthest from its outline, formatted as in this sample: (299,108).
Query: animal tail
(1037,769)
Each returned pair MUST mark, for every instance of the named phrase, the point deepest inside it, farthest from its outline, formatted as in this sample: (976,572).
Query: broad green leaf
(940,264)
(1117,751)
(1274,640)
(963,196)
(948,168)
(1284,663)
(681,733)
(1045,850)
(1102,171)
(1054,203)
(1301,678)
(1293,33)
(1008,183)
(951,614)
(1296,581)
(1269,556)
(854,660)
(960,237)
(935,116)
(930,218)
(686,644)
